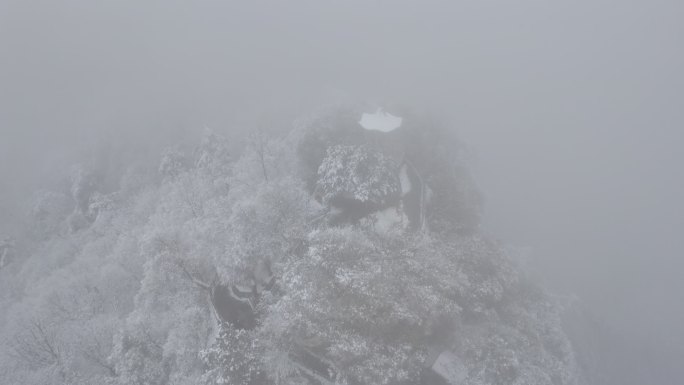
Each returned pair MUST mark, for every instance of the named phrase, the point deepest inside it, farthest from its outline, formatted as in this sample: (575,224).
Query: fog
(572,113)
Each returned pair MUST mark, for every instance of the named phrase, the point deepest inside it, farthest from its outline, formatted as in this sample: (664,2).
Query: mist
(571,112)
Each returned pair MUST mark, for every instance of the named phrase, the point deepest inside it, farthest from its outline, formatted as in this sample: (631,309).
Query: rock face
(234,306)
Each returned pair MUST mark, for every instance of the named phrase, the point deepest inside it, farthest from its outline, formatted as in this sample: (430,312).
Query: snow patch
(380,121)
(388,220)
(404,181)
(450,367)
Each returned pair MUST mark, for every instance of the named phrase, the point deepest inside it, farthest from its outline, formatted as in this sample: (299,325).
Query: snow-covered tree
(233,358)
(357,179)
(365,303)
(318,132)
(213,155)
(173,162)
(83,186)
(339,288)
(267,226)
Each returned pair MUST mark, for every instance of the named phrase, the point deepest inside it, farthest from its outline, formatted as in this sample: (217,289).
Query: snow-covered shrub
(360,174)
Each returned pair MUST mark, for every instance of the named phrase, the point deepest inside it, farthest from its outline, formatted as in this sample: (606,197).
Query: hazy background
(574,111)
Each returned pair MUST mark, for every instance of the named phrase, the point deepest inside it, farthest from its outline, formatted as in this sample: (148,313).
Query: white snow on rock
(404,181)
(449,366)
(380,121)
(391,219)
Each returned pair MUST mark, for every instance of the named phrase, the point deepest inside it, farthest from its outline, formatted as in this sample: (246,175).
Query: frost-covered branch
(36,345)
(198,282)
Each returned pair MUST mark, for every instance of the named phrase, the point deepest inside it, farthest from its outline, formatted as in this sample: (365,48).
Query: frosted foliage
(124,298)
(267,224)
(359,173)
(83,185)
(376,306)
(368,306)
(173,162)
(212,156)
(233,359)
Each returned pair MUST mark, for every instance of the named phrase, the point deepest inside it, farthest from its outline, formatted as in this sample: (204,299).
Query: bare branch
(36,345)
(201,284)
(259,142)
(95,355)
